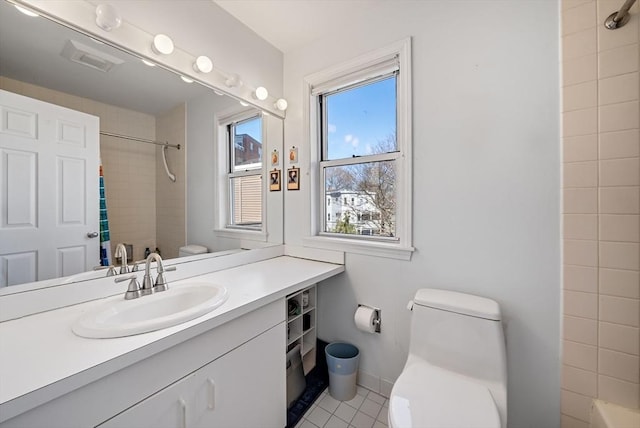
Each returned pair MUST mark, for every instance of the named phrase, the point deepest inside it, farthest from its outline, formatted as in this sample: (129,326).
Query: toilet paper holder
(377,320)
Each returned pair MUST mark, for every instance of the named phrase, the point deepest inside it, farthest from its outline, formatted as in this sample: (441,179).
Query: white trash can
(342,362)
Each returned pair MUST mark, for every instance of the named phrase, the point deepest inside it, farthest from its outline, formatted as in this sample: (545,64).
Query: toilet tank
(461,333)
(190,250)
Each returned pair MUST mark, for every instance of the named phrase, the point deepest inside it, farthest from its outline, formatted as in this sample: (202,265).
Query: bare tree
(371,186)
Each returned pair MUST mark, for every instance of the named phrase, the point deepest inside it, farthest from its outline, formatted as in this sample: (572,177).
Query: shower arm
(171,176)
(619,18)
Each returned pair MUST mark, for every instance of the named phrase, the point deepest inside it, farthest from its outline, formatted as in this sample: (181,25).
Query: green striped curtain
(105,239)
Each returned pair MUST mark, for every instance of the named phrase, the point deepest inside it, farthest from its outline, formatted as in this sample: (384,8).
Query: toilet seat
(425,396)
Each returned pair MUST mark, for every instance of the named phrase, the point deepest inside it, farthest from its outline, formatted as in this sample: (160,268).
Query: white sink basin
(119,317)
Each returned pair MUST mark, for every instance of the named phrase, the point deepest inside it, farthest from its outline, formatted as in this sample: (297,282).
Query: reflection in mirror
(136,104)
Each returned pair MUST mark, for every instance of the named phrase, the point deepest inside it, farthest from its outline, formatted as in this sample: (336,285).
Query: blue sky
(360,117)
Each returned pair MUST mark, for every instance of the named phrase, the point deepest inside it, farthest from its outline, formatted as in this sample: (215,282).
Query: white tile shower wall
(601,145)
(170,196)
(129,167)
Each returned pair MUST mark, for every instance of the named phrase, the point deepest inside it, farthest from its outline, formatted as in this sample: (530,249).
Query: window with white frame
(244,174)
(360,126)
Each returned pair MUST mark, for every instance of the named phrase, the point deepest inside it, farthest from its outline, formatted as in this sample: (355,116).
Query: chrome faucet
(121,251)
(148,286)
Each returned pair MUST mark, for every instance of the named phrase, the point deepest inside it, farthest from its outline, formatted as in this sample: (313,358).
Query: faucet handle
(133,291)
(110,272)
(136,265)
(161,282)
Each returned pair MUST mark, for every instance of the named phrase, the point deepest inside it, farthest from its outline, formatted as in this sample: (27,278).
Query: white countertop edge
(18,400)
(21,303)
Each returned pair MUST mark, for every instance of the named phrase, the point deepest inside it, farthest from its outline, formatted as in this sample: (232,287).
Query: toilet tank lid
(194,249)
(461,303)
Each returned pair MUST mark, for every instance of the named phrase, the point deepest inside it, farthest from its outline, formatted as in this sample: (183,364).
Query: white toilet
(456,372)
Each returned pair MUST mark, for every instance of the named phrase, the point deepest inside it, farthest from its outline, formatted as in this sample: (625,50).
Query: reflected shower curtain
(105,239)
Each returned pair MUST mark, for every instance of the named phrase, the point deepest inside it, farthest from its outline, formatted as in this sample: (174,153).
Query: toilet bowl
(455,374)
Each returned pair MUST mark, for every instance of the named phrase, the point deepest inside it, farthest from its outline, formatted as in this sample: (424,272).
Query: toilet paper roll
(364,319)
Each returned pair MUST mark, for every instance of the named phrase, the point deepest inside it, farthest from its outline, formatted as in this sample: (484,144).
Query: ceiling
(291,24)
(30,51)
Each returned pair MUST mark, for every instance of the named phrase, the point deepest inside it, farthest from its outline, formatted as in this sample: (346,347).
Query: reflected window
(245,173)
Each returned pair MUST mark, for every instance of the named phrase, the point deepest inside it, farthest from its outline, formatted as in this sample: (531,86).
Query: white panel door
(49,165)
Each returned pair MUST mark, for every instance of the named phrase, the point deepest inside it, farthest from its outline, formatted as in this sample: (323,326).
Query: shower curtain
(105,239)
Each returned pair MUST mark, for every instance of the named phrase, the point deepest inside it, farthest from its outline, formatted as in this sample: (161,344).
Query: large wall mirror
(156,197)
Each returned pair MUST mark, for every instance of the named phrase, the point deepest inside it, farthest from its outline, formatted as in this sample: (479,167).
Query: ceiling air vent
(89,56)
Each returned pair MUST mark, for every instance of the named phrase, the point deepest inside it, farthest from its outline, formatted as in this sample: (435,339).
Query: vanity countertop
(41,358)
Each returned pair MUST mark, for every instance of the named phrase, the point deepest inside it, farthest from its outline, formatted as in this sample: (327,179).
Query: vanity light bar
(108,19)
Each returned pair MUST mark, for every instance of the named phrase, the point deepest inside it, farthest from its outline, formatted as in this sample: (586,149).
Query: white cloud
(350,139)
(368,149)
(331,128)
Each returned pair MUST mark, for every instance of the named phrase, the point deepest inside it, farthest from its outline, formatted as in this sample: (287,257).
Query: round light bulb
(261,93)
(203,64)
(186,79)
(149,63)
(107,17)
(162,44)
(243,104)
(281,104)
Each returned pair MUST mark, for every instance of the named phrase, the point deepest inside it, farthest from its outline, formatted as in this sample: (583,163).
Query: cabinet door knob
(212,394)
(183,412)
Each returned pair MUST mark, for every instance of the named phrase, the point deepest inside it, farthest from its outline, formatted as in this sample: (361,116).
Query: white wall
(486,183)
(201,132)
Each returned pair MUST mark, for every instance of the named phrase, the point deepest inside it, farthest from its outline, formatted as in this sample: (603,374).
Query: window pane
(247,144)
(364,199)
(361,121)
(246,203)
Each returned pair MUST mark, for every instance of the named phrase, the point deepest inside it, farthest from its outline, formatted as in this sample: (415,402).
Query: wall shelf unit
(301,325)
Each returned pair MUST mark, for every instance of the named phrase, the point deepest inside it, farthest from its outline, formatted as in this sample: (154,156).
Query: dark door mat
(317,382)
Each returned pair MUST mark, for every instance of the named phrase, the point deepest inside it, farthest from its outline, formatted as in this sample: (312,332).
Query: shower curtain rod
(141,140)
(619,18)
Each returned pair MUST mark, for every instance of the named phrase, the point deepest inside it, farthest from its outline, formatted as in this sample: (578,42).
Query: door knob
(93,234)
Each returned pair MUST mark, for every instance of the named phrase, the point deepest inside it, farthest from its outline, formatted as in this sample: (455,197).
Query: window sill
(378,249)
(251,235)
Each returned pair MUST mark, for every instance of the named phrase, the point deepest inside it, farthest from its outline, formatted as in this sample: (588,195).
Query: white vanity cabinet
(232,375)
(232,359)
(236,390)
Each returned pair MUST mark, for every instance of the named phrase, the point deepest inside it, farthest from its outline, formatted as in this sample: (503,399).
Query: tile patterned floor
(366,410)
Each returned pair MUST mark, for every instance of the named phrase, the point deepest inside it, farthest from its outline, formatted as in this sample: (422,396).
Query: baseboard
(374,383)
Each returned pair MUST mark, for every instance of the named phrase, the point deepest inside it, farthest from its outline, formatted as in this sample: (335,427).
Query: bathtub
(607,415)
